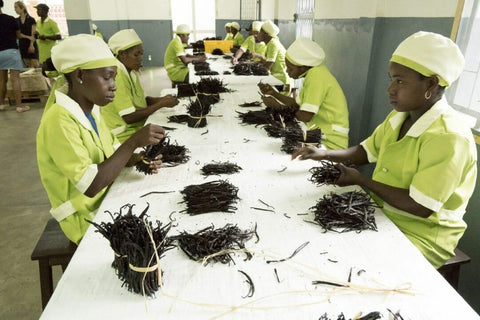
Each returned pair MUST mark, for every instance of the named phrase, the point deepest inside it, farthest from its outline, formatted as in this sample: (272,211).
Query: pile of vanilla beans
(350,211)
(211,196)
(216,168)
(172,155)
(250,69)
(138,246)
(294,137)
(215,245)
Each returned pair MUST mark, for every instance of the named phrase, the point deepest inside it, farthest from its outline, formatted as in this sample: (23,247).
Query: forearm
(396,197)
(238,54)
(286,100)
(109,169)
(354,155)
(141,114)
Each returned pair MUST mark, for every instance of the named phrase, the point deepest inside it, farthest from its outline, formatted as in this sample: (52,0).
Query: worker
(321,103)
(78,158)
(130,108)
(237,37)
(274,59)
(228,35)
(176,59)
(425,154)
(252,43)
(47,33)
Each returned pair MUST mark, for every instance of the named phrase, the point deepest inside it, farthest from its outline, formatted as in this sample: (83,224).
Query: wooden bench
(52,249)
(451,269)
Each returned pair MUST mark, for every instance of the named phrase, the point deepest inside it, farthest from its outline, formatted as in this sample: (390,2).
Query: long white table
(388,272)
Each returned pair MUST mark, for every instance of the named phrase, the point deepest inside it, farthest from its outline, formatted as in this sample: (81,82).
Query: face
(407,88)
(132,58)
(18,10)
(262,35)
(42,12)
(184,37)
(295,71)
(99,85)
(227,29)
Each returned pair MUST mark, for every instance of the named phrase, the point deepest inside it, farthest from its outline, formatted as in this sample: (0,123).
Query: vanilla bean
(292,255)
(251,286)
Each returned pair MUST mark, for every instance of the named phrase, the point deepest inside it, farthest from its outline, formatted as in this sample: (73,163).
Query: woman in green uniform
(130,108)
(237,37)
(227,31)
(176,59)
(321,103)
(252,43)
(274,59)
(425,155)
(78,158)
(47,33)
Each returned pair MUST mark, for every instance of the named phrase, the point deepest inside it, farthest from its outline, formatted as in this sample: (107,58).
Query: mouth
(110,97)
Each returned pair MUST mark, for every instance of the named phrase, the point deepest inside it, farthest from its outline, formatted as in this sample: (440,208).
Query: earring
(80,81)
(428,95)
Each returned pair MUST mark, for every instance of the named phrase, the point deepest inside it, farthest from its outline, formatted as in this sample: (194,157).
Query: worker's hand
(36,34)
(42,37)
(265,88)
(150,134)
(202,58)
(234,60)
(273,103)
(309,152)
(31,49)
(348,176)
(168,101)
(156,163)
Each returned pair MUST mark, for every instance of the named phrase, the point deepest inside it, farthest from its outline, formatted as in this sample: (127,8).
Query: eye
(399,81)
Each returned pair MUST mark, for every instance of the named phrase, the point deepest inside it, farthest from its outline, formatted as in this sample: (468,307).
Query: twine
(143,269)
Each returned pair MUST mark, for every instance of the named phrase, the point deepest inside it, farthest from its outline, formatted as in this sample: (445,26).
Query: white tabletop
(387,270)
(220,65)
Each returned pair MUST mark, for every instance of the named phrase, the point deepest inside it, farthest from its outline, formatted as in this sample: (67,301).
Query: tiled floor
(25,206)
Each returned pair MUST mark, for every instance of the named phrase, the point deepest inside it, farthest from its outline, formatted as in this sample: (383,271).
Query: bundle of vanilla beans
(172,155)
(197,113)
(276,129)
(350,211)
(212,196)
(256,117)
(215,245)
(138,246)
(217,52)
(220,168)
(250,69)
(202,66)
(294,137)
(327,173)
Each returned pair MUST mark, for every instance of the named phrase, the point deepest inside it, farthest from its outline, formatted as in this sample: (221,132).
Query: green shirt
(322,95)
(229,36)
(47,28)
(436,162)
(237,39)
(176,70)
(68,153)
(129,98)
(275,52)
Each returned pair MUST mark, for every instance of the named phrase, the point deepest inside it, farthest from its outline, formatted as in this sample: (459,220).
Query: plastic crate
(224,45)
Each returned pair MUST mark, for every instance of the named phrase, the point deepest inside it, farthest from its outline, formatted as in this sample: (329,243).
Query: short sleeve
(55,29)
(271,53)
(178,48)
(313,94)
(123,101)
(372,144)
(442,161)
(68,151)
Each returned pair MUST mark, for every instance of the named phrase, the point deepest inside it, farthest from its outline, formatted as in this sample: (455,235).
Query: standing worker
(130,107)
(78,158)
(47,32)
(27,44)
(426,159)
(176,59)
(10,59)
(274,59)
(321,103)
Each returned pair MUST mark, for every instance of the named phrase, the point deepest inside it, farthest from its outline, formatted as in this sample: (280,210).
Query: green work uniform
(275,52)
(229,36)
(176,70)
(68,153)
(322,95)
(46,28)
(61,85)
(436,162)
(260,48)
(129,98)
(248,44)
(237,40)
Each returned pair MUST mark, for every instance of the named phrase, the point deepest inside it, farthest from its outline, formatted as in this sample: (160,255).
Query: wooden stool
(52,249)
(451,269)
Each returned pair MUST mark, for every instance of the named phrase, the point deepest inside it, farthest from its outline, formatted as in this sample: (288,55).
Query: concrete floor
(25,206)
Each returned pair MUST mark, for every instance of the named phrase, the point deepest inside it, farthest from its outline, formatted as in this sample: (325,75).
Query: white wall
(227,9)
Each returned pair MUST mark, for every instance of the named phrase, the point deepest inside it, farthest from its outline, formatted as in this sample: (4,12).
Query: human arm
(109,169)
(238,55)
(54,37)
(142,114)
(187,58)
(271,96)
(354,155)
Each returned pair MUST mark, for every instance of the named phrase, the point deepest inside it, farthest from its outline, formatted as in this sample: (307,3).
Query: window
(304,18)
(250,10)
(199,15)
(465,93)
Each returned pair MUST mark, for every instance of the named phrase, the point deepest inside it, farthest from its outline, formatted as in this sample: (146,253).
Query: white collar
(423,123)
(74,108)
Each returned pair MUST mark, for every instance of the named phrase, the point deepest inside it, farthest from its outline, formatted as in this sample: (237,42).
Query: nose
(390,89)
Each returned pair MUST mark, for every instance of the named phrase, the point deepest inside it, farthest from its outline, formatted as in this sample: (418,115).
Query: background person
(78,158)
(228,35)
(47,33)
(425,155)
(27,44)
(10,60)
(251,44)
(237,37)
(176,59)
(128,111)
(321,103)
